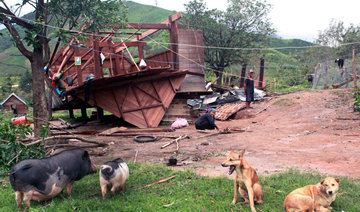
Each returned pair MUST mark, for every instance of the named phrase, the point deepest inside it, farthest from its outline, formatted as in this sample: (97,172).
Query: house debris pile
(101,72)
(217,99)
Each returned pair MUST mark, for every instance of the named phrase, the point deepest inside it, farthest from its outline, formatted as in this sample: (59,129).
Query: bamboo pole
(354,69)
(326,86)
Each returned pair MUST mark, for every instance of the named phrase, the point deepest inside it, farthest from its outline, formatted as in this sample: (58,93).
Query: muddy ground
(306,130)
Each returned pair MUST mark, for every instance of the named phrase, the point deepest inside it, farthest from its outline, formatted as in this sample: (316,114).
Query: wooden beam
(147,33)
(172,86)
(354,69)
(78,69)
(148,26)
(147,93)
(127,43)
(157,94)
(143,108)
(243,75)
(261,77)
(120,32)
(117,103)
(98,70)
(141,52)
(174,34)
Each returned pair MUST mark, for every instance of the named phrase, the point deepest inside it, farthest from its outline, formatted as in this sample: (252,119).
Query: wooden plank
(157,94)
(174,32)
(117,103)
(148,26)
(143,108)
(150,32)
(149,94)
(127,43)
(78,70)
(139,102)
(261,77)
(98,72)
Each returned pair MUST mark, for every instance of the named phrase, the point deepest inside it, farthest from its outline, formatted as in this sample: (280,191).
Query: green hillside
(276,42)
(146,13)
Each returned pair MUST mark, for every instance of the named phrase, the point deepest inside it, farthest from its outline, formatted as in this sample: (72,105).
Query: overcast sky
(292,18)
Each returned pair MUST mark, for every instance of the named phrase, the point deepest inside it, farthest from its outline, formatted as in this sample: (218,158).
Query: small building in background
(14,103)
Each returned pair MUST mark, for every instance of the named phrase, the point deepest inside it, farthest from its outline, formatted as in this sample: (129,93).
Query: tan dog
(246,181)
(313,197)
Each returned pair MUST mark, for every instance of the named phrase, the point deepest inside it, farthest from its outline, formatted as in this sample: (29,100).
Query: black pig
(43,179)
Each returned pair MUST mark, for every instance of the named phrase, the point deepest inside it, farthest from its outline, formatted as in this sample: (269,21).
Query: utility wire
(191,45)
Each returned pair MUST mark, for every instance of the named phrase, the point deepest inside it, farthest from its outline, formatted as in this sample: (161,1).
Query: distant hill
(278,42)
(146,13)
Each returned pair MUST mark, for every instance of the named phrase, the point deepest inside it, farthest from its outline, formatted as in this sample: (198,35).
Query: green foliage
(96,13)
(6,85)
(145,13)
(244,24)
(357,101)
(276,42)
(337,33)
(186,192)
(12,150)
(26,82)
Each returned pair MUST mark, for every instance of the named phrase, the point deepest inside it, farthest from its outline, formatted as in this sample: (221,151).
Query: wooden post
(83,113)
(174,31)
(261,77)
(346,77)
(100,114)
(326,85)
(98,70)
(71,113)
(354,70)
(78,69)
(243,73)
(50,102)
(141,51)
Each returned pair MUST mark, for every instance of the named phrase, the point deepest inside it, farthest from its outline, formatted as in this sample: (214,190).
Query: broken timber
(101,72)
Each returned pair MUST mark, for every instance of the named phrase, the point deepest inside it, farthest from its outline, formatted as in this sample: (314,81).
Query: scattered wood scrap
(47,140)
(119,130)
(158,182)
(227,110)
(135,134)
(351,119)
(223,131)
(175,141)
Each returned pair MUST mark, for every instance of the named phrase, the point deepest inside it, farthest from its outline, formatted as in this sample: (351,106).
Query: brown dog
(313,197)
(246,181)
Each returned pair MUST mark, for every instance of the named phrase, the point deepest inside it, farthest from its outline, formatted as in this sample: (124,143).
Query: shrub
(357,101)
(12,149)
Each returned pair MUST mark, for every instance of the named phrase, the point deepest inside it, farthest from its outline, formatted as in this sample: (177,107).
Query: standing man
(207,121)
(249,88)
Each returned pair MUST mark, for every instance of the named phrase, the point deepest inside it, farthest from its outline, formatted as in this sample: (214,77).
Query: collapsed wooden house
(101,72)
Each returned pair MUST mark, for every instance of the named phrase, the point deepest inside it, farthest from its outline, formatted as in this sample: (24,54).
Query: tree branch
(15,35)
(15,19)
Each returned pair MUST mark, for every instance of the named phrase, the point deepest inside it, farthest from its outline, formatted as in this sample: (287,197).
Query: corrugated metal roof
(13,94)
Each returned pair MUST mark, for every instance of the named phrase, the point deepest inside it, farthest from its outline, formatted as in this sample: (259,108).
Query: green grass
(186,192)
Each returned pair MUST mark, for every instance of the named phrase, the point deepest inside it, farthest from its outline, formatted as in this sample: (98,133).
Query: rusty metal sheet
(227,110)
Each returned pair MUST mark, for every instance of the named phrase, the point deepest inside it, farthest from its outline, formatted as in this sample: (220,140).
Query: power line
(194,63)
(191,45)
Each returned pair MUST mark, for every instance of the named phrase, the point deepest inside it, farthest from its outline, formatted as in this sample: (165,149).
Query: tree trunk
(219,75)
(39,95)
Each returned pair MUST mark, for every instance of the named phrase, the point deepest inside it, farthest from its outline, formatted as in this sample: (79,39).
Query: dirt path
(307,130)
